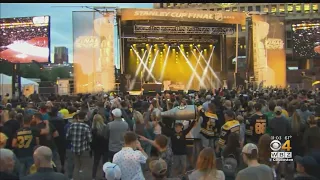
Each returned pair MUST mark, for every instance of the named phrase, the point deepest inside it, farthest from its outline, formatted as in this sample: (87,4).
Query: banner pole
(236,65)
(237,43)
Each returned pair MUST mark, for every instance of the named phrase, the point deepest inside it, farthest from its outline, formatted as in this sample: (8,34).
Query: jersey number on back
(260,128)
(24,141)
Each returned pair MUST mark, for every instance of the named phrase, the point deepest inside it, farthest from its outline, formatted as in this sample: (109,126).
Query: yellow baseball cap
(3,138)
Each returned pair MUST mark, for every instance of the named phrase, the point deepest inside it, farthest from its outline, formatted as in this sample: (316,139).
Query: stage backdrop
(268,36)
(93,51)
(188,15)
(269,56)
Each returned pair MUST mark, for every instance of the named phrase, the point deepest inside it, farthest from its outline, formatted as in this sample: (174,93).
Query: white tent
(28,86)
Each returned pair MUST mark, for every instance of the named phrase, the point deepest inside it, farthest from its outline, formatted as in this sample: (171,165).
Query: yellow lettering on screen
(286,146)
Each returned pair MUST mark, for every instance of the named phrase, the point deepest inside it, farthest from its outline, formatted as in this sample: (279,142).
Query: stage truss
(168,41)
(143,29)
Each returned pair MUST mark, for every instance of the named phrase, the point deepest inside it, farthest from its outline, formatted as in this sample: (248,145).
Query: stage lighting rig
(226,5)
(100,9)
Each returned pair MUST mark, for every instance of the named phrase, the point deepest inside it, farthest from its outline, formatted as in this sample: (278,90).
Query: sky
(61,17)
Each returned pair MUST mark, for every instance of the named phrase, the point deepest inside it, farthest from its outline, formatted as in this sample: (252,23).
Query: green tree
(30,71)
(61,72)
(5,67)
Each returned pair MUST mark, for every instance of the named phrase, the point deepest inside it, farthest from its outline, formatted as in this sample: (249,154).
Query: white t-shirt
(200,175)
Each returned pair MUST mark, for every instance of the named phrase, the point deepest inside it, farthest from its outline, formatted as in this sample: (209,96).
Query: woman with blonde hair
(206,167)
(99,144)
(139,125)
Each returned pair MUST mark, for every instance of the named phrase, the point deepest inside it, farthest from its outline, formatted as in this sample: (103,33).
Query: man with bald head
(7,165)
(42,159)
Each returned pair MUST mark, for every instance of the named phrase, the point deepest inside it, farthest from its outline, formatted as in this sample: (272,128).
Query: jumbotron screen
(306,38)
(25,39)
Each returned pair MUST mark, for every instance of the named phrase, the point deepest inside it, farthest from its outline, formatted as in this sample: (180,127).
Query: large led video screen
(93,51)
(269,55)
(25,39)
(306,38)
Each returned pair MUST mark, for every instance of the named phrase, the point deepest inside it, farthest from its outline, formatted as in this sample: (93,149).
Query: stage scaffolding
(183,30)
(148,26)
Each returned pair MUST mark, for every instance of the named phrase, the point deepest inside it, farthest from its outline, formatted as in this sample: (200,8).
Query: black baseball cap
(306,161)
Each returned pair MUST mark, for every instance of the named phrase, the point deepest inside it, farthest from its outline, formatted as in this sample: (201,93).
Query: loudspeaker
(229,84)
(239,80)
(180,91)
(71,86)
(192,91)
(150,93)
(171,92)
(123,83)
(152,87)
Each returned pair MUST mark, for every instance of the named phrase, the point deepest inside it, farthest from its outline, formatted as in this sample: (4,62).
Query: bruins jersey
(256,126)
(26,140)
(208,125)
(229,127)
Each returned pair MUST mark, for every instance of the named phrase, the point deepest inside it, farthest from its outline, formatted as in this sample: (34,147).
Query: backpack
(229,165)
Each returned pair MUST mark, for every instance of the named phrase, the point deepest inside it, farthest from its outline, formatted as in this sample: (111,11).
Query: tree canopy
(35,71)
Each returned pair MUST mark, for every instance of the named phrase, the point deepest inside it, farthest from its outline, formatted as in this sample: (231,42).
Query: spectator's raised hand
(142,138)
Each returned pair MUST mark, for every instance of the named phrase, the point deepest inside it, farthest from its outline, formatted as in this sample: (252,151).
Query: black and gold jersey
(256,126)
(26,141)
(208,125)
(229,127)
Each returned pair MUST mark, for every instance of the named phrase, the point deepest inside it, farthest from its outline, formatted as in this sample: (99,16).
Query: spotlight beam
(199,59)
(144,62)
(192,68)
(165,64)
(211,70)
(192,76)
(204,74)
(144,65)
(138,69)
(139,57)
(202,68)
(152,65)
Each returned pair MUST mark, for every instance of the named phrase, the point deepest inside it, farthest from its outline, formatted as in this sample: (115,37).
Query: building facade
(291,11)
(61,55)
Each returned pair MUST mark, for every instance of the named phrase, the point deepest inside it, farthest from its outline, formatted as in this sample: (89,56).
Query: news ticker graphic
(281,151)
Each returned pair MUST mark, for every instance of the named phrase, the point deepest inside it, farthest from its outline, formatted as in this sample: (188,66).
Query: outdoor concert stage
(179,54)
(189,49)
(182,49)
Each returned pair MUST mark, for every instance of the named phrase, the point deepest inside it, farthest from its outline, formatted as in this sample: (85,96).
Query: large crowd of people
(19,32)
(305,38)
(229,138)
